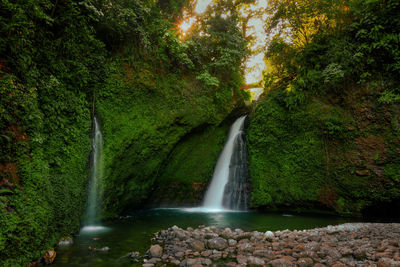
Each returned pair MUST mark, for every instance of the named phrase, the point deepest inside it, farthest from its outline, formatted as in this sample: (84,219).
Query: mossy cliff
(340,154)
(184,177)
(61,62)
(142,123)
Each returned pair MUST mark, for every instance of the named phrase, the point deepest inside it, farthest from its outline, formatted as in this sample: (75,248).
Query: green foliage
(328,45)
(50,63)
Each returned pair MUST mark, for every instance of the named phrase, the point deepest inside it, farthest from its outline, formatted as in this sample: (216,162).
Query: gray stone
(156,251)
(241,259)
(254,261)
(305,262)
(197,245)
(232,242)
(217,243)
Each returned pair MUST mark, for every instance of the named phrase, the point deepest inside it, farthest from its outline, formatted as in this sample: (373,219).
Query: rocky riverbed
(359,244)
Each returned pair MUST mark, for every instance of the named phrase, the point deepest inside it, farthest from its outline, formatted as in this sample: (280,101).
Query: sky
(255,64)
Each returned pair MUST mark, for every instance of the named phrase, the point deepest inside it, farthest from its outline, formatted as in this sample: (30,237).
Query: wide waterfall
(229,187)
(95,178)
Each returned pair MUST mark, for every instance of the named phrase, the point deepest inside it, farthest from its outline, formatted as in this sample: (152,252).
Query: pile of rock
(361,244)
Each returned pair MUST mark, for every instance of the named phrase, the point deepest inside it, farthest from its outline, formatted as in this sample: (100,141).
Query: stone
(49,256)
(154,260)
(282,262)
(312,246)
(179,254)
(197,245)
(227,233)
(217,243)
(156,251)
(232,242)
(245,247)
(241,259)
(148,265)
(206,253)
(66,241)
(305,262)
(254,261)
(264,253)
(206,262)
(192,262)
(175,262)
(360,254)
(339,264)
(386,262)
(269,234)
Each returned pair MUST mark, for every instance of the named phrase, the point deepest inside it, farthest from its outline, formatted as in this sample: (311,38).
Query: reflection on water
(134,232)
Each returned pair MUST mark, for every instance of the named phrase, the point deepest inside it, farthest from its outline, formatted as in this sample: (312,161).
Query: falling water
(231,170)
(95,178)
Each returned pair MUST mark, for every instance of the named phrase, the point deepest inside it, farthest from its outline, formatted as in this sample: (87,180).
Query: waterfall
(95,178)
(228,188)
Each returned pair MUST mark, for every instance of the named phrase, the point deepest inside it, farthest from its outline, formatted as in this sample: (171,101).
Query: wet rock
(206,253)
(386,262)
(232,242)
(65,241)
(264,253)
(360,254)
(305,262)
(175,262)
(154,260)
(312,246)
(179,254)
(217,243)
(227,233)
(254,261)
(156,251)
(241,259)
(49,256)
(197,245)
(282,262)
(244,247)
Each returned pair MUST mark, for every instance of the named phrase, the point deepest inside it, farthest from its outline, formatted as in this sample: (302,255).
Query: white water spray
(213,200)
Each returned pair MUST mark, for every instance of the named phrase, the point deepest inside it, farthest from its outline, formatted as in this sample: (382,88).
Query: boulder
(254,261)
(217,243)
(305,262)
(241,259)
(156,251)
(282,262)
(197,245)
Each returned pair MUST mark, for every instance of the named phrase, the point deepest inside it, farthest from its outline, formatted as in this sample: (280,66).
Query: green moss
(314,156)
(188,169)
(142,124)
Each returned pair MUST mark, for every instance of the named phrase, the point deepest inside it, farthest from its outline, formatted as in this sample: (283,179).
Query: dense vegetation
(327,133)
(64,61)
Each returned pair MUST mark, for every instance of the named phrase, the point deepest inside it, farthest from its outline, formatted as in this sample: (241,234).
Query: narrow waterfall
(228,188)
(237,187)
(95,178)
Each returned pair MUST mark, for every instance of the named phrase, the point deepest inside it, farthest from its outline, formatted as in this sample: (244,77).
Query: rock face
(49,256)
(360,244)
